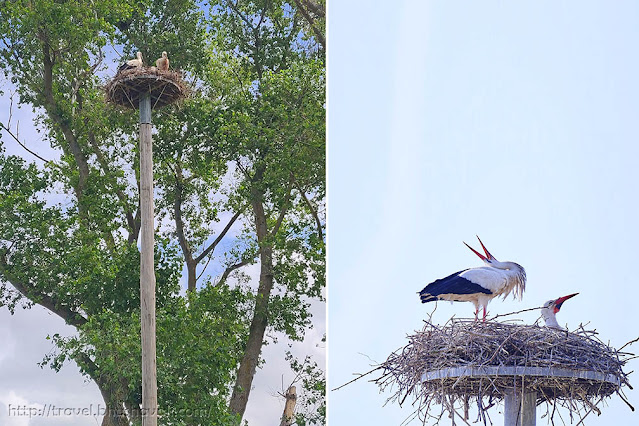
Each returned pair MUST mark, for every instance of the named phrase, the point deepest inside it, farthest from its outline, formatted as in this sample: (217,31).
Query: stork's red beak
(561,300)
(481,256)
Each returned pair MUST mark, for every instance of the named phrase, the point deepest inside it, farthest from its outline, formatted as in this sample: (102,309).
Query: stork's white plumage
(162,63)
(550,309)
(132,63)
(478,285)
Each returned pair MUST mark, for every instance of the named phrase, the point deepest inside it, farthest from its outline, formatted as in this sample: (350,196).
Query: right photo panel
(482,213)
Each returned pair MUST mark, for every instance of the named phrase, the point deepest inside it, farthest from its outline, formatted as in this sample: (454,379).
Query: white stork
(550,309)
(162,63)
(132,63)
(478,285)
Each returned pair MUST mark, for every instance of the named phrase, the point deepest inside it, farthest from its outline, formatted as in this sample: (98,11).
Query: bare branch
(244,18)
(130,219)
(314,7)
(311,208)
(624,400)
(262,15)
(52,110)
(230,269)
(284,208)
(244,170)
(311,22)
(513,313)
(177,211)
(212,246)
(16,138)
(66,313)
(629,343)
(357,378)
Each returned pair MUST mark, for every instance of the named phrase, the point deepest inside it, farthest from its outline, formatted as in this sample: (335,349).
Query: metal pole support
(147,268)
(520,409)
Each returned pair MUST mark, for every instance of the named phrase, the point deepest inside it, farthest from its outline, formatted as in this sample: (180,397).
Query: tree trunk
(191,263)
(135,413)
(114,414)
(248,365)
(289,407)
(112,389)
(51,108)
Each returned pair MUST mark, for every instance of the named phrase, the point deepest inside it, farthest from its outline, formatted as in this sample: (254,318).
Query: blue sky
(513,121)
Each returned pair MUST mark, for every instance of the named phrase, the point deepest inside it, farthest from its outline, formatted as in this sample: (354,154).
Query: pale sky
(515,121)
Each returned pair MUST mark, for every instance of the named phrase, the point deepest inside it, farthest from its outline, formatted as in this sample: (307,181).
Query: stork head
(164,54)
(489,259)
(139,56)
(555,305)
(551,308)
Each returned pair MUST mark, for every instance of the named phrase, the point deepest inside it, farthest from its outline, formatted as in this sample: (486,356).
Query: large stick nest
(468,360)
(127,86)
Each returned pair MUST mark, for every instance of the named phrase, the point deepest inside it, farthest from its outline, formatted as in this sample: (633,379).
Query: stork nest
(468,361)
(127,86)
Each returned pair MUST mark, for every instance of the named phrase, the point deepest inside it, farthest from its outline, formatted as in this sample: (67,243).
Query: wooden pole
(520,409)
(147,268)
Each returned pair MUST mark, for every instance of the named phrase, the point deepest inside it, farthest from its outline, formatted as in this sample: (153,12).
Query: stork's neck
(550,318)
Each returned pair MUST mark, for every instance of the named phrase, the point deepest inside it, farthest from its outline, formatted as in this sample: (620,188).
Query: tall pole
(520,410)
(147,268)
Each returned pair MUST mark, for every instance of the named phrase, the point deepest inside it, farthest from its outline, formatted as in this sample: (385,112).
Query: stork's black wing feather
(452,284)
(125,67)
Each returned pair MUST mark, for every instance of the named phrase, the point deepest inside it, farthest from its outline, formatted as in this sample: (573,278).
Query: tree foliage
(239,171)
(271,127)
(311,404)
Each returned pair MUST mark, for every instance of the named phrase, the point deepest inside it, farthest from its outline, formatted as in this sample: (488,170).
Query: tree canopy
(240,181)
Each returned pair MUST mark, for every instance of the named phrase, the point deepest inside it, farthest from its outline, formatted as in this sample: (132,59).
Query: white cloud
(17,410)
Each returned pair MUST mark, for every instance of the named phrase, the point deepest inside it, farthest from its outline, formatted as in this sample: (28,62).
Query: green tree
(271,127)
(314,13)
(245,151)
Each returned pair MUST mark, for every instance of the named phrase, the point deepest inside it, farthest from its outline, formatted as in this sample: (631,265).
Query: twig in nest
(513,313)
(357,378)
(624,400)
(629,343)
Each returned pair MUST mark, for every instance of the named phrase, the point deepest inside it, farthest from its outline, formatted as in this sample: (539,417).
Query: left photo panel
(162,212)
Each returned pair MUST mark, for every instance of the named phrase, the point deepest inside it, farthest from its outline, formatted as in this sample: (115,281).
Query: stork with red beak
(479,285)
(550,309)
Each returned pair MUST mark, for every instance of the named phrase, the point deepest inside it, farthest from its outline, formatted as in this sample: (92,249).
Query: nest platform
(165,87)
(471,360)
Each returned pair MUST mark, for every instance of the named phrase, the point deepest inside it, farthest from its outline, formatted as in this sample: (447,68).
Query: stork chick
(162,63)
(478,285)
(550,309)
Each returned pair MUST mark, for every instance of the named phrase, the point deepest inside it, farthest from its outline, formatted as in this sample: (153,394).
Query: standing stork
(162,63)
(550,309)
(132,63)
(478,285)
